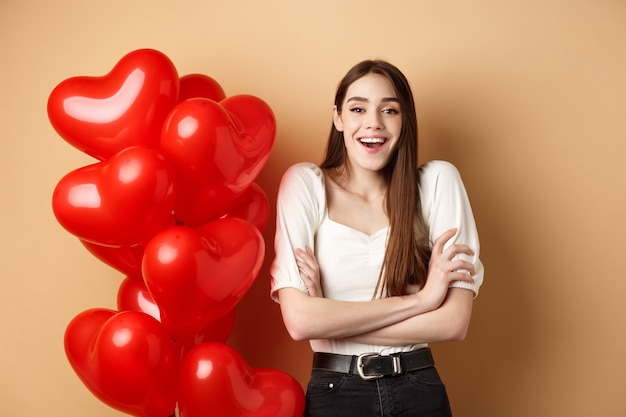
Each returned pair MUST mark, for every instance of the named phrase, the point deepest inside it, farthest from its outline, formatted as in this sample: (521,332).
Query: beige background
(527,98)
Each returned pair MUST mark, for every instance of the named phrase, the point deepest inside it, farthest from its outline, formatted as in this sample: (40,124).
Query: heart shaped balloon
(218,331)
(127,360)
(133,295)
(200,85)
(126,259)
(214,380)
(253,206)
(218,150)
(103,115)
(197,275)
(122,201)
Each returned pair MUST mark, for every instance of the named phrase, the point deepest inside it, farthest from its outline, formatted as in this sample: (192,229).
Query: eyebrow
(364,99)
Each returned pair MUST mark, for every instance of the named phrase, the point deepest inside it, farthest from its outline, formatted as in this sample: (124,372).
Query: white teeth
(372,140)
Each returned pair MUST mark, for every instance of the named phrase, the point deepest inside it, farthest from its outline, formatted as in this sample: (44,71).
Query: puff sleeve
(445,205)
(300,207)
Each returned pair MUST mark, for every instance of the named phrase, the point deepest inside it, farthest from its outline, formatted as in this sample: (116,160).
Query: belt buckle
(360,365)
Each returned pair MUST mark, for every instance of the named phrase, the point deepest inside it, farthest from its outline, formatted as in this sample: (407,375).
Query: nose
(374,120)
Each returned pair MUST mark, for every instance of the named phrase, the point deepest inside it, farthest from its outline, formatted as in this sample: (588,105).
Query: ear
(337,119)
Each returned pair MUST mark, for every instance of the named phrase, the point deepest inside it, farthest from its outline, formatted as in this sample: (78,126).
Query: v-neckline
(354,230)
(357,231)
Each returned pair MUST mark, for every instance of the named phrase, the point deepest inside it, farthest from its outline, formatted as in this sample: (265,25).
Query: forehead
(371,87)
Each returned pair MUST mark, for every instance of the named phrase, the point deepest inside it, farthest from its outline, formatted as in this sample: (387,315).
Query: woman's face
(371,122)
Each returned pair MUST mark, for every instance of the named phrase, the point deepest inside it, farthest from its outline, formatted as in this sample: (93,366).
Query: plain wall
(526,98)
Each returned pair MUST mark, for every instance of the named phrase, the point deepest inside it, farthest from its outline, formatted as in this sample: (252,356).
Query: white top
(350,260)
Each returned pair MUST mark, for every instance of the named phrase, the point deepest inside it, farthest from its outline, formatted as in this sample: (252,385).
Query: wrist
(424,302)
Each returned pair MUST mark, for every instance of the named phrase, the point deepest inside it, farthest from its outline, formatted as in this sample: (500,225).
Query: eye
(357,110)
(391,111)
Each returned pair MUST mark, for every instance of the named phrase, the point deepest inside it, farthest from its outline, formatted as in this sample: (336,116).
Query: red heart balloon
(133,295)
(218,150)
(197,275)
(122,201)
(200,85)
(126,259)
(103,115)
(127,360)
(218,331)
(214,380)
(253,206)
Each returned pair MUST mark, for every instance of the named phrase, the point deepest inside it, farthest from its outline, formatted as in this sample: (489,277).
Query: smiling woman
(375,256)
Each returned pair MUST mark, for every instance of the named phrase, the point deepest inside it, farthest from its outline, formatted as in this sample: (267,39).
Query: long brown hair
(408,252)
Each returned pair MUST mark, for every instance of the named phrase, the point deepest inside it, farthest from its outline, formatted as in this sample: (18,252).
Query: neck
(370,185)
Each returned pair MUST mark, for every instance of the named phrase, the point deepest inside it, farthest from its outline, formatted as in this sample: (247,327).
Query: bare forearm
(319,318)
(449,322)
(310,316)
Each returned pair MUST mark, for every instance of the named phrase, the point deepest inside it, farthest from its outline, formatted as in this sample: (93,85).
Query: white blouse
(350,260)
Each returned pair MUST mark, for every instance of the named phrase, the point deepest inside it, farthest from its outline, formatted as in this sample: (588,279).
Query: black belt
(373,365)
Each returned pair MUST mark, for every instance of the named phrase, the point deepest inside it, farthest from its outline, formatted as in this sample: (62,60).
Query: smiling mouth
(372,142)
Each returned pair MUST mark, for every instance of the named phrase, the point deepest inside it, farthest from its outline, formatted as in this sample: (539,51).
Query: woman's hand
(443,269)
(309,271)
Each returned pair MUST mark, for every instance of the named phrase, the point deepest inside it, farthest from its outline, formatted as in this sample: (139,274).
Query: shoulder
(304,170)
(437,169)
(303,176)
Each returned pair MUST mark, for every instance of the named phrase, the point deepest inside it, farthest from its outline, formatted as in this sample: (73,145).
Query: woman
(355,272)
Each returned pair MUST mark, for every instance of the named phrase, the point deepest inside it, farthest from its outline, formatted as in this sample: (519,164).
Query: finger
(302,259)
(305,277)
(461,276)
(310,283)
(304,266)
(306,255)
(310,264)
(455,250)
(463,265)
(301,264)
(442,239)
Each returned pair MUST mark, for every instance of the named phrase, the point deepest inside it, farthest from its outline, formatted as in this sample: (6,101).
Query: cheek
(397,126)
(393,146)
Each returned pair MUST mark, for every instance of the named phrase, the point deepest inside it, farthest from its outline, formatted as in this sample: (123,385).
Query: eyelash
(361,110)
